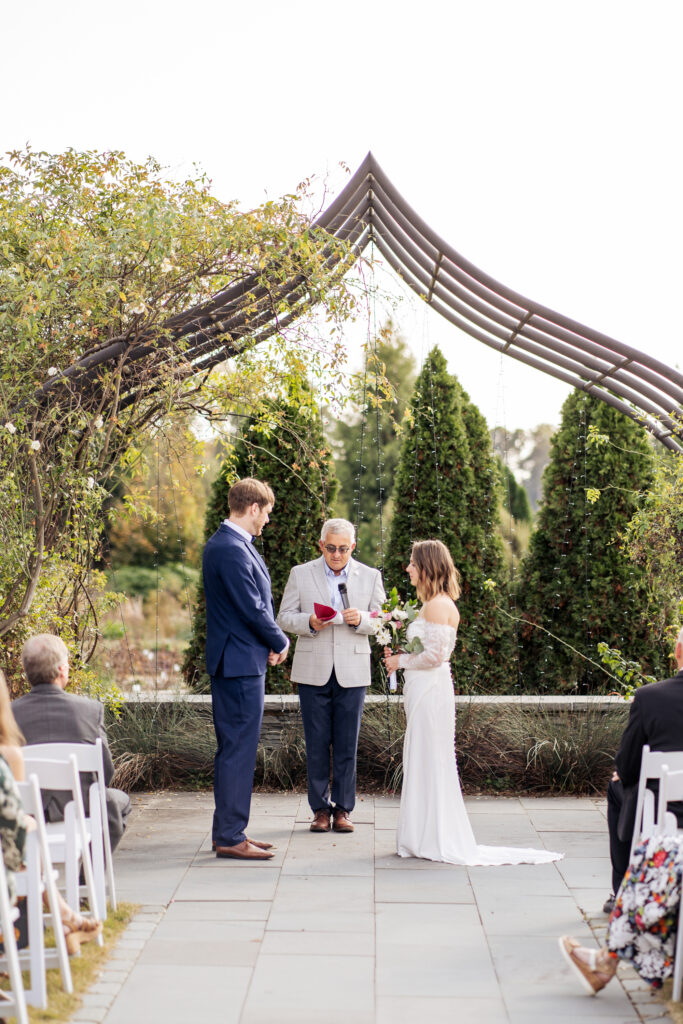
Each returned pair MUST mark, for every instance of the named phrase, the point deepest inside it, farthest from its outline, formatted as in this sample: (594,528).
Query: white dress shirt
(240,530)
(333,581)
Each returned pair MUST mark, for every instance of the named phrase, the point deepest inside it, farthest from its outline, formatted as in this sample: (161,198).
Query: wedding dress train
(433,822)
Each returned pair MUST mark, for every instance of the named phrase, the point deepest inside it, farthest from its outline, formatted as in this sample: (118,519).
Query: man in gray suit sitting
(332,666)
(49,715)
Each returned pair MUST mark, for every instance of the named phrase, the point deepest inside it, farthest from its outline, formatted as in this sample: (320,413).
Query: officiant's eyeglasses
(331,548)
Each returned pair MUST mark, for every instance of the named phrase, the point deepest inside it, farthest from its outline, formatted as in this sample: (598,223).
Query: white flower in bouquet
(392,626)
(391,629)
(383,636)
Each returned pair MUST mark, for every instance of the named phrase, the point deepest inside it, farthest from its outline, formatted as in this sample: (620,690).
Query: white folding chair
(68,840)
(36,879)
(90,759)
(671,789)
(651,768)
(14,1001)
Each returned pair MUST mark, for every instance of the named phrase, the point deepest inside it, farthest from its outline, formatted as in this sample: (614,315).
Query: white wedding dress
(433,822)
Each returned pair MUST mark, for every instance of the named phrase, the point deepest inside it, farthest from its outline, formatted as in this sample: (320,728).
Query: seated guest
(643,924)
(656,718)
(15,824)
(49,715)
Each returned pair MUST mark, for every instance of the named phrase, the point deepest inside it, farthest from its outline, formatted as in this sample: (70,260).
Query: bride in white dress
(433,822)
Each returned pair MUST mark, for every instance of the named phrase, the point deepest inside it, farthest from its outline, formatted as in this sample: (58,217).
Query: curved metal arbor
(633,382)
(370,208)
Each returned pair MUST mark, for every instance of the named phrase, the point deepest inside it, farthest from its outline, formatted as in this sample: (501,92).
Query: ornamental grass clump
(161,745)
(282,766)
(508,748)
(531,749)
(380,746)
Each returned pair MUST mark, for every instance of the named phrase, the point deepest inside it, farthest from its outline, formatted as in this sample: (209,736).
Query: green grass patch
(84,970)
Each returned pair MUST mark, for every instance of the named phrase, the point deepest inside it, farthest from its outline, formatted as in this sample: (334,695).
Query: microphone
(343,593)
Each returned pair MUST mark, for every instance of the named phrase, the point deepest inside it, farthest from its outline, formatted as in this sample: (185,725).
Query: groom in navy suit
(242,638)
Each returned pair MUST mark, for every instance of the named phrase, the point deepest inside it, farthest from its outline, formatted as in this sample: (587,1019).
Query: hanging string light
(179,536)
(571,487)
(157,567)
(511,595)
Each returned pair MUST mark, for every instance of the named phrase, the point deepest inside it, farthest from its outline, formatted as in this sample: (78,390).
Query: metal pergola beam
(370,209)
(634,382)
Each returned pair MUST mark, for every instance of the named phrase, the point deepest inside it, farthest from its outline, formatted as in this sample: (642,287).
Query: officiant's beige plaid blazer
(343,648)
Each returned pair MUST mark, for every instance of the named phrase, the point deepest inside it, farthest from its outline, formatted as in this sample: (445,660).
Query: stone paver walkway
(338,928)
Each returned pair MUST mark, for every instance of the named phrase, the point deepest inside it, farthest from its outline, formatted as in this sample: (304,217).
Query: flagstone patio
(338,928)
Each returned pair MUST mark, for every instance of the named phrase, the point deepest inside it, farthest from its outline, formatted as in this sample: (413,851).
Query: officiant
(327,605)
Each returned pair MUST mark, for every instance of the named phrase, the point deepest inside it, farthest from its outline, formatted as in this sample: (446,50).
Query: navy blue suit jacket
(240,618)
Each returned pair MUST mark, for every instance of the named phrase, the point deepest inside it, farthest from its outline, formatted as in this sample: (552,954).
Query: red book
(323,612)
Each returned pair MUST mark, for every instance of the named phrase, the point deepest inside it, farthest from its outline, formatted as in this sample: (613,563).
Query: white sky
(541,139)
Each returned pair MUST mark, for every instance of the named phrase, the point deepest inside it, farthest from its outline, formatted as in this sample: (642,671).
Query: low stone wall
(281,711)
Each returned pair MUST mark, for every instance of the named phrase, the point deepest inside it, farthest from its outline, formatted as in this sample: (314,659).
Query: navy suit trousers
(331,715)
(237,717)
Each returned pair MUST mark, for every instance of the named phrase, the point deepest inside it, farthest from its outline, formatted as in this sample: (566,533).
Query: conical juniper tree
(491,631)
(447,488)
(368,443)
(287,450)
(515,498)
(576,581)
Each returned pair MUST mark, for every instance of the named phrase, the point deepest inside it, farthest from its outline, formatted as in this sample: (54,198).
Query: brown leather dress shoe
(244,851)
(321,821)
(342,822)
(254,842)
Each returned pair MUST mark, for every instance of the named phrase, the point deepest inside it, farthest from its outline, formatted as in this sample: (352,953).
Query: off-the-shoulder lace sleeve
(438,643)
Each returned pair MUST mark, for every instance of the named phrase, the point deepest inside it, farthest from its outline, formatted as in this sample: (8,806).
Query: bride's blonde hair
(437,573)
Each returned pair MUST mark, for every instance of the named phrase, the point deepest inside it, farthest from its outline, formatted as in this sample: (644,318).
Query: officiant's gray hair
(338,526)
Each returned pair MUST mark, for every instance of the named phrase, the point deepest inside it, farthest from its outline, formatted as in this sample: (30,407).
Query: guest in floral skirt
(643,924)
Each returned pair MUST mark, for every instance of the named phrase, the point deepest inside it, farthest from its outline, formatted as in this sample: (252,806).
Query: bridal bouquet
(392,626)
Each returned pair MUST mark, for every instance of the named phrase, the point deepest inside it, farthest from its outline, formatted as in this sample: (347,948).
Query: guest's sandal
(78,929)
(595,971)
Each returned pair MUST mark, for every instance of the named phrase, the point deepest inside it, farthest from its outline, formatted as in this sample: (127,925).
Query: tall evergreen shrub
(288,451)
(515,498)
(576,580)
(447,488)
(368,446)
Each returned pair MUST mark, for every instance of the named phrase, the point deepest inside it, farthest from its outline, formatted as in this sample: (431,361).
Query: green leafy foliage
(157,502)
(629,673)
(654,536)
(98,254)
(576,581)
(448,488)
